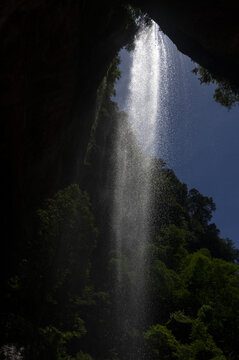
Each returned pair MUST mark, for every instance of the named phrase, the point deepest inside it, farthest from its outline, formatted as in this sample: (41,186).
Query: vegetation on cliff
(225,93)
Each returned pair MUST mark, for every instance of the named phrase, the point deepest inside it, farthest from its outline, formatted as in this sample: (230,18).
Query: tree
(226,94)
(200,207)
(53,287)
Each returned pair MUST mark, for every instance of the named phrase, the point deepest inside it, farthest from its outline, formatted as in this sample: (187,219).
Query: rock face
(54,55)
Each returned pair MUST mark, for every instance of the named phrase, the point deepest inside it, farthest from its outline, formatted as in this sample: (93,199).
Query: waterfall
(148,76)
(134,148)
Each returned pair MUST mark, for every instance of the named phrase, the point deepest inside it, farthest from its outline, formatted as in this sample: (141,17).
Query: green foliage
(82,356)
(210,294)
(171,245)
(53,286)
(192,272)
(225,93)
(67,237)
(170,196)
(200,207)
(166,288)
(162,342)
(54,341)
(164,345)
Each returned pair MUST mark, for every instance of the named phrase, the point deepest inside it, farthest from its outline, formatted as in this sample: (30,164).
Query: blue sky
(202,140)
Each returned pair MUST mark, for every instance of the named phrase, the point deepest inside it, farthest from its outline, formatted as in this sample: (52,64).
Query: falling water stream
(134,148)
(148,76)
